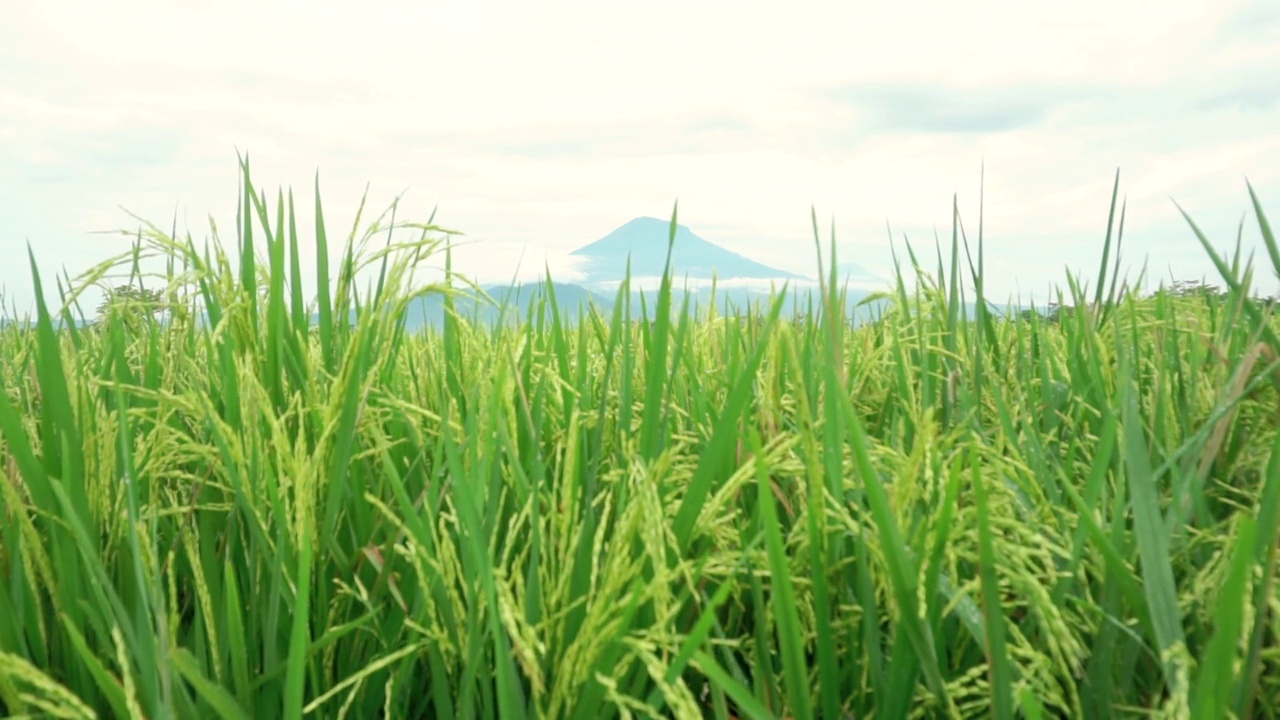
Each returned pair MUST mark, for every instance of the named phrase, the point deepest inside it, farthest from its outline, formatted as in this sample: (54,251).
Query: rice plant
(243,503)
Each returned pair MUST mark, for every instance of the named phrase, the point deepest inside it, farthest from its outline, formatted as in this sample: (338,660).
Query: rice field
(241,502)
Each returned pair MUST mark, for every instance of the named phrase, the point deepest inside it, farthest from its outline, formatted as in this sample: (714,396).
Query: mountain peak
(639,235)
(645,240)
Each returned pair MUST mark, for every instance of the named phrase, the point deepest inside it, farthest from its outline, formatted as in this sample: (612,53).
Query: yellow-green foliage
(236,509)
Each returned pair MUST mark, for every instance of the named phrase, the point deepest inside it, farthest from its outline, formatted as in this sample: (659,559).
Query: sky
(535,128)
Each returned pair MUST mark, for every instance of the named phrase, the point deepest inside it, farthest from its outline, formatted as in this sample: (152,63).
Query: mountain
(645,240)
(856,275)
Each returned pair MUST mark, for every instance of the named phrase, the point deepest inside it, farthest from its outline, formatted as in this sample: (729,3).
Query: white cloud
(538,128)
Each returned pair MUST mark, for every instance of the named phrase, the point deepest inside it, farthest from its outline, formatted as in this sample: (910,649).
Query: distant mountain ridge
(645,240)
(573,300)
(428,311)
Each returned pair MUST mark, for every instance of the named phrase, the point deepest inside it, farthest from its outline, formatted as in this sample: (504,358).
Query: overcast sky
(536,128)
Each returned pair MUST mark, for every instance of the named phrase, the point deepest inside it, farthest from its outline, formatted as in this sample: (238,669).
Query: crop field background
(238,502)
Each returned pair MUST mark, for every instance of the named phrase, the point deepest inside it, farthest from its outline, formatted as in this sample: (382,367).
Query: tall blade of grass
(348,396)
(1113,294)
(248,263)
(109,685)
(651,432)
(744,701)
(297,306)
(787,620)
(997,651)
(58,423)
(276,311)
(1264,227)
(151,651)
(823,553)
(1102,462)
(418,525)
(237,642)
(942,536)
(452,349)
(1233,282)
(714,458)
(469,503)
(1106,247)
(300,631)
(218,698)
(1157,569)
(903,571)
(1265,552)
(324,303)
(1212,688)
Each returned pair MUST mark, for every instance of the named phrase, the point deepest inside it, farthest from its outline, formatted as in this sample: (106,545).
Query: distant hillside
(573,299)
(645,240)
(428,311)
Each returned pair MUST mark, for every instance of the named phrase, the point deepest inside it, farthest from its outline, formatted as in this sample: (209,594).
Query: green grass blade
(1157,569)
(997,651)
